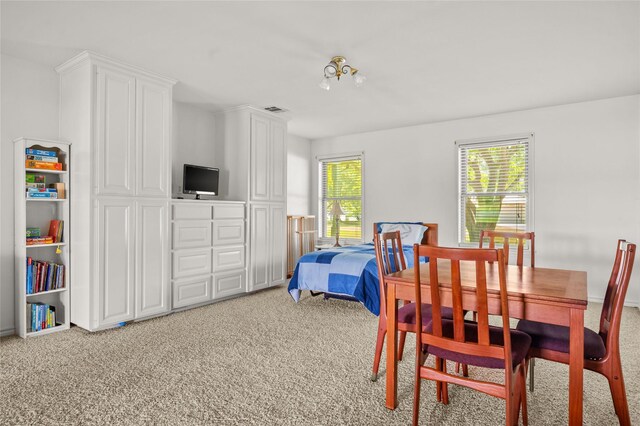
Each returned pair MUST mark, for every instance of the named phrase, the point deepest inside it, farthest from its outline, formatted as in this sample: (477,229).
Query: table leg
(576,366)
(392,347)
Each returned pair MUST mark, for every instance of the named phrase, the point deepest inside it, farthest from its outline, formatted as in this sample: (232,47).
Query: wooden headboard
(430,235)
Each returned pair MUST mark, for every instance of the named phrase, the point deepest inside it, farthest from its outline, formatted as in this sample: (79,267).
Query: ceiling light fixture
(338,67)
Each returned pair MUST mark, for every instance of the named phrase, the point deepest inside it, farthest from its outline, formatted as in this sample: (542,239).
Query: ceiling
(425,61)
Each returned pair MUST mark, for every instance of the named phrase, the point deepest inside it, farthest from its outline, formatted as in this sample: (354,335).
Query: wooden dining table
(554,296)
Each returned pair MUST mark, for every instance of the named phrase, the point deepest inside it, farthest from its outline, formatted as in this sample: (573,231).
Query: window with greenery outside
(341,182)
(493,188)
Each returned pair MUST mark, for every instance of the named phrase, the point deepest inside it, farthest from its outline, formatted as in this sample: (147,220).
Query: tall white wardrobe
(119,119)
(255,152)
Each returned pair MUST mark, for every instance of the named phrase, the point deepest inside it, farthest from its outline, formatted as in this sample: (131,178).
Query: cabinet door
(259,158)
(152,254)
(259,268)
(115,246)
(278,237)
(278,167)
(153,144)
(115,132)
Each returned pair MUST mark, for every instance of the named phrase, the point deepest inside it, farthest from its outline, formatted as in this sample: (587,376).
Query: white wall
(29,108)
(586,176)
(194,143)
(298,175)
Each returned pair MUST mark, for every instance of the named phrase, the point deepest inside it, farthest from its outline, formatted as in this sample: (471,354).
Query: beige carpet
(262,360)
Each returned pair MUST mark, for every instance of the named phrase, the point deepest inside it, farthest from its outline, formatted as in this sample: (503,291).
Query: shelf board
(55,200)
(44,245)
(40,293)
(48,330)
(54,172)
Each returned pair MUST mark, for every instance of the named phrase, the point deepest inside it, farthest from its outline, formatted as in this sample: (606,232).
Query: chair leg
(416,396)
(403,337)
(444,385)
(618,394)
(376,359)
(523,394)
(532,365)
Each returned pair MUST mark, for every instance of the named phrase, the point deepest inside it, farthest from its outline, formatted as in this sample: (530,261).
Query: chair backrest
(506,236)
(389,259)
(450,286)
(616,292)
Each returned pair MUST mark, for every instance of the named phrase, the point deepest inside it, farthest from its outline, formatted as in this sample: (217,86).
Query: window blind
(493,187)
(341,183)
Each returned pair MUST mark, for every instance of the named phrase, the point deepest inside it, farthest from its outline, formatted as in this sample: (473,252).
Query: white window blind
(341,184)
(494,187)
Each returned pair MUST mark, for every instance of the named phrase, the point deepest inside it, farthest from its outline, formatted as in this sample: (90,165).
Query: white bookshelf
(36,213)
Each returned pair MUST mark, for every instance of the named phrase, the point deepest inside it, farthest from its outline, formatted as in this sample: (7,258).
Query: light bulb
(325,84)
(359,79)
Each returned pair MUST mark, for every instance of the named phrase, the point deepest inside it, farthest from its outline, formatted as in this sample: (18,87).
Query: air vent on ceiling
(275,109)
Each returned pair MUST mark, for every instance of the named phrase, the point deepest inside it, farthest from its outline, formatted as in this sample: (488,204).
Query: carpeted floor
(262,360)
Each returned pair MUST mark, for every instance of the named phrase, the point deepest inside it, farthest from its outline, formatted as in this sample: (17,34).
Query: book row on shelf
(42,159)
(44,276)
(36,187)
(55,235)
(41,316)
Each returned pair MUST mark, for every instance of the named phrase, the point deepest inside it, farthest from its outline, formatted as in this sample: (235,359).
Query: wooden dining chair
(390,259)
(469,342)
(602,349)
(506,236)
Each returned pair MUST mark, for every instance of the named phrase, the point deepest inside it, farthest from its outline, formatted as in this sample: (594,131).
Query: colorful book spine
(33,232)
(32,164)
(34,178)
(43,158)
(39,240)
(30,185)
(42,195)
(32,190)
(30,151)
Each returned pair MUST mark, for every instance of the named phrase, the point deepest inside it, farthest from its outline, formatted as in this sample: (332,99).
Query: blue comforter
(347,271)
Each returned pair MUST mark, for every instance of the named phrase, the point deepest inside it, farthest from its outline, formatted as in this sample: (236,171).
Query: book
(30,151)
(29,271)
(34,178)
(39,240)
(44,158)
(42,195)
(32,190)
(55,230)
(29,185)
(33,232)
(59,187)
(32,164)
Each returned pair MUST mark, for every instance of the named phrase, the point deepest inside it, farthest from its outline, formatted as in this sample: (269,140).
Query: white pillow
(410,233)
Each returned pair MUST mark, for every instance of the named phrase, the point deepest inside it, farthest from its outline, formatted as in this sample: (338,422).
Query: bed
(351,271)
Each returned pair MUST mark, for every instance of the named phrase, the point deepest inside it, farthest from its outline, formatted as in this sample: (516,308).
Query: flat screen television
(200,180)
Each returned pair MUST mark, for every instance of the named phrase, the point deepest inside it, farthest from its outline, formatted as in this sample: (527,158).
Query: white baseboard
(601,300)
(7,332)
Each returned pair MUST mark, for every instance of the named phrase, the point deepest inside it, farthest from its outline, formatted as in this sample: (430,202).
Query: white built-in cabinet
(255,144)
(208,251)
(119,120)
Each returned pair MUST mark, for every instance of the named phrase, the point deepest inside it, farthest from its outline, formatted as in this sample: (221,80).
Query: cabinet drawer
(191,211)
(191,262)
(228,283)
(191,233)
(229,211)
(225,258)
(191,291)
(228,232)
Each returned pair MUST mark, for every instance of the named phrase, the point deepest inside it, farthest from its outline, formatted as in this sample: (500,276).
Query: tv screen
(200,180)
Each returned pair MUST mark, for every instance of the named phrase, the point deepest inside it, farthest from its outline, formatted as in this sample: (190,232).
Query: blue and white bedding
(346,271)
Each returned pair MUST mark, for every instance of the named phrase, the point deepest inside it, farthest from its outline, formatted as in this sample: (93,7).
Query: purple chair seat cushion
(556,338)
(407,313)
(520,344)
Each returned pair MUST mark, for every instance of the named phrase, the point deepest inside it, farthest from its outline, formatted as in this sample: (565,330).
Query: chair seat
(520,344)
(556,338)
(407,313)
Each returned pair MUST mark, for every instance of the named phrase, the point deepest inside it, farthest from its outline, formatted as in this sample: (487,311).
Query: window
(494,186)
(341,192)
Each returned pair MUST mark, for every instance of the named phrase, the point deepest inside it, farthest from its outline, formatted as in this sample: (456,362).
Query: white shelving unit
(37,213)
